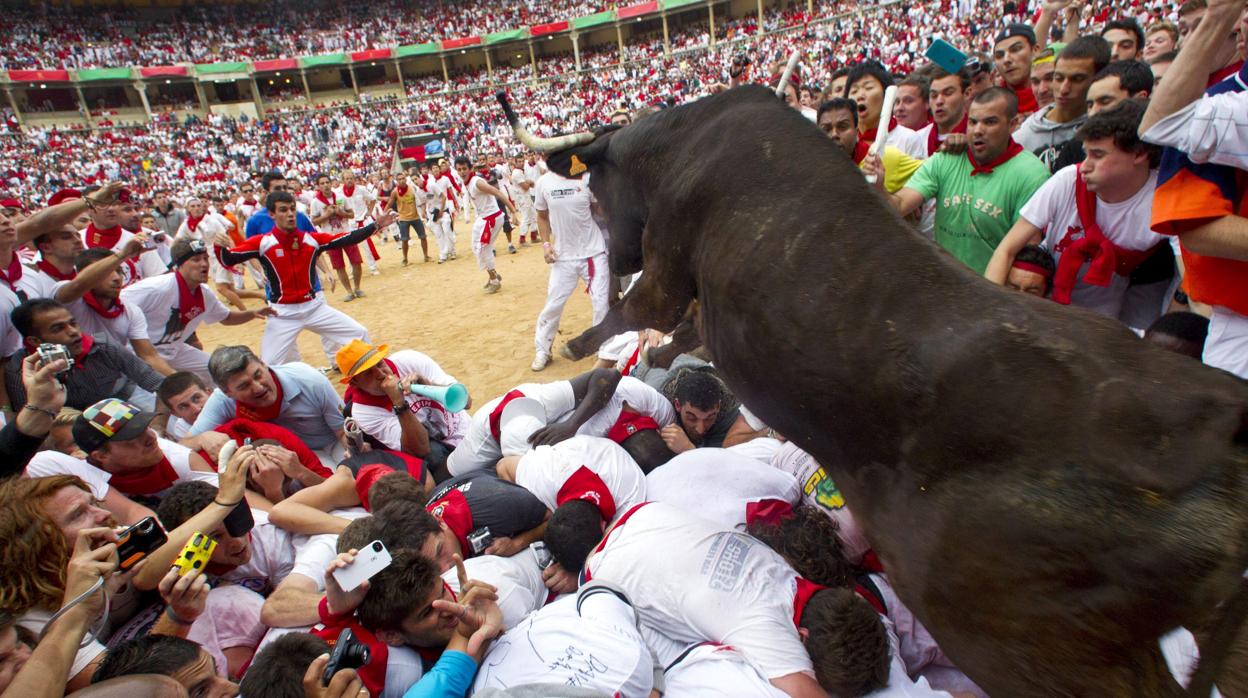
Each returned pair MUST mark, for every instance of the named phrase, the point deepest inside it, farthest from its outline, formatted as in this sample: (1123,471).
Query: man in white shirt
(720,485)
(1095,218)
(176,304)
(485,198)
(359,201)
(331,215)
(575,249)
(522,195)
(57,251)
(111,227)
(212,227)
(440,205)
(694,581)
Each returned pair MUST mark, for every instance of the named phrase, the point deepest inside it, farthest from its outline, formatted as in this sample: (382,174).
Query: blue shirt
(311,408)
(451,677)
(261,222)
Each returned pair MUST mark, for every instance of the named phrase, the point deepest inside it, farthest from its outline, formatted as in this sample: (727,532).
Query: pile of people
(216,520)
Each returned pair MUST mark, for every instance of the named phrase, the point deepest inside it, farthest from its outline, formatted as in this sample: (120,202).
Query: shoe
(493,286)
(523,243)
(430,259)
(441,260)
(454,255)
(539,362)
(359,293)
(511,248)
(349,297)
(376,271)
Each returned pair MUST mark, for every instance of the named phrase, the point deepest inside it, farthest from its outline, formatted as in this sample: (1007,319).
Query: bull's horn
(541,145)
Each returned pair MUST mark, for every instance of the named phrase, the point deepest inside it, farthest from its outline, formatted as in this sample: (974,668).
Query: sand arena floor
(485,341)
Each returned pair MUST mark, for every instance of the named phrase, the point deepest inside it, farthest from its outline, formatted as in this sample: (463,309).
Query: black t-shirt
(397,461)
(505,508)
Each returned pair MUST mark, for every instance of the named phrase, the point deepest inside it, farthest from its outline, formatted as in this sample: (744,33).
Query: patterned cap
(107,420)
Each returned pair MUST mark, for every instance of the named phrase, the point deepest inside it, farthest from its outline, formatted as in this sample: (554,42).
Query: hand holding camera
(346,577)
(94,558)
(44,392)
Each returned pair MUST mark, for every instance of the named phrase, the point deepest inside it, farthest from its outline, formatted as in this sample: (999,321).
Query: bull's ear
(573,162)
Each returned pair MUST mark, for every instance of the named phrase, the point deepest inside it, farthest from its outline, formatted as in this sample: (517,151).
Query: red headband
(1028,266)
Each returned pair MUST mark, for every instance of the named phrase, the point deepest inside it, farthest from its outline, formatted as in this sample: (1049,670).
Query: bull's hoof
(569,353)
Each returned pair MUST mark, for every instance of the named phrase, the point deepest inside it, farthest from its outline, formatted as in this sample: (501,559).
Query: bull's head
(574,154)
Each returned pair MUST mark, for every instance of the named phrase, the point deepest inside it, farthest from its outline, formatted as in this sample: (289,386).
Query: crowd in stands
(566,533)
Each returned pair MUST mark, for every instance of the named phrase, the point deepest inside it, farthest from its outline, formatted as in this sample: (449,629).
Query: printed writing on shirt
(982,205)
(725,562)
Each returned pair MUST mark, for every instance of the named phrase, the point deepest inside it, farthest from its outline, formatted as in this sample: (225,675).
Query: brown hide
(1048,493)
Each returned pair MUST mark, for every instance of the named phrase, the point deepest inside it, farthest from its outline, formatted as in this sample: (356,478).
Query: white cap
(521,417)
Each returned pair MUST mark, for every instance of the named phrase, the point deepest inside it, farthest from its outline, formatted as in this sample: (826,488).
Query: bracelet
(90,204)
(50,413)
(176,618)
(223,504)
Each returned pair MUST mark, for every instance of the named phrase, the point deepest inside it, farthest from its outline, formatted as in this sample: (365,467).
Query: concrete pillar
(141,88)
(667,46)
(810,9)
(619,36)
(17,113)
(255,97)
(760,15)
(307,91)
(82,103)
(202,94)
(710,12)
(355,87)
(533,62)
(398,68)
(446,75)
(576,51)
(489,66)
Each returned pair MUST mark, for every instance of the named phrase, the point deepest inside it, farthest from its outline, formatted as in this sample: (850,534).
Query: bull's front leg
(649,304)
(685,338)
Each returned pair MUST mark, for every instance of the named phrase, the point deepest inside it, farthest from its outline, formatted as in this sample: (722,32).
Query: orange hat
(359,356)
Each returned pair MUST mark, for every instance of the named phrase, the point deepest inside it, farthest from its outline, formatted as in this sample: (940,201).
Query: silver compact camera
(480,539)
(51,352)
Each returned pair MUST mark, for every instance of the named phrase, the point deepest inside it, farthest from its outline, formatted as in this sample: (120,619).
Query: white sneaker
(540,362)
(493,286)
(375,271)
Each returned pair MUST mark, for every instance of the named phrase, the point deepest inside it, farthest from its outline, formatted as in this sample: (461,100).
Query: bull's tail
(1219,643)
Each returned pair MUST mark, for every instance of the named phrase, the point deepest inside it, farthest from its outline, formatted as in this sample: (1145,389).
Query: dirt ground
(485,341)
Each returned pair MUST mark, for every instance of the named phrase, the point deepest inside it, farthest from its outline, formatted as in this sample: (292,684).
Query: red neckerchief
(805,590)
(46,267)
(453,510)
(632,362)
(1102,255)
(13,274)
(933,137)
(347,192)
(249,202)
(861,148)
(358,397)
(1010,151)
(372,674)
(870,134)
(402,189)
(148,481)
(94,304)
(497,415)
(454,184)
(190,303)
(1026,100)
(193,223)
(772,512)
(261,414)
(1218,76)
(585,484)
(107,238)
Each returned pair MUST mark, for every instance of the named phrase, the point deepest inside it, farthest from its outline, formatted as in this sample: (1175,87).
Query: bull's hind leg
(654,302)
(685,338)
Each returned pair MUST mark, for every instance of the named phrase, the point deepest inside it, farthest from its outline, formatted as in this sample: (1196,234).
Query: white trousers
(564,274)
(1226,347)
(528,216)
(443,233)
(184,357)
(336,328)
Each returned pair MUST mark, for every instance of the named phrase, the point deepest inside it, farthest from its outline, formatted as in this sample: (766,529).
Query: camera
(51,352)
(349,653)
(544,558)
(740,60)
(480,539)
(138,541)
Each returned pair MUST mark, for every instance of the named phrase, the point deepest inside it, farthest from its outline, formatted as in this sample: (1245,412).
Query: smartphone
(946,55)
(370,560)
(138,541)
(195,555)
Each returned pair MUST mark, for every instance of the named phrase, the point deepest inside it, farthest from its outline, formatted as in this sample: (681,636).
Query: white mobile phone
(225,454)
(370,560)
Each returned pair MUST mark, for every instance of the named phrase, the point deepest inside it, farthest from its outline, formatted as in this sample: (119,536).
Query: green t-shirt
(973,214)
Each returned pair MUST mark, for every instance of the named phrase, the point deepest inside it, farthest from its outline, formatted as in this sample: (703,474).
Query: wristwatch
(400,409)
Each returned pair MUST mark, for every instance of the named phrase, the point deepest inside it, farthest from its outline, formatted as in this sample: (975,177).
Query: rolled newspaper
(881,137)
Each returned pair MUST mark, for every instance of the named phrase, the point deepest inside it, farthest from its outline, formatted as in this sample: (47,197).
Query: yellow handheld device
(195,555)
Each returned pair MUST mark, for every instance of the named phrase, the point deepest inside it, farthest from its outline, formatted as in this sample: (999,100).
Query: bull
(1048,493)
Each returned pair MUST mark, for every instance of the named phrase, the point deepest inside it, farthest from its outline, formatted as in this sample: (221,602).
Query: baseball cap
(108,420)
(64,195)
(186,248)
(521,417)
(12,203)
(1017,29)
(359,356)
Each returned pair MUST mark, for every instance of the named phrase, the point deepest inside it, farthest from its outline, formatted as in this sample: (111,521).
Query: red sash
(497,415)
(47,268)
(489,229)
(190,303)
(94,304)
(148,481)
(261,414)
(1010,151)
(1103,257)
(585,484)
